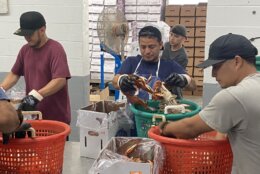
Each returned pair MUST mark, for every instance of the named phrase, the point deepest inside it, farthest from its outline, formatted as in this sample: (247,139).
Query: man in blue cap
(234,110)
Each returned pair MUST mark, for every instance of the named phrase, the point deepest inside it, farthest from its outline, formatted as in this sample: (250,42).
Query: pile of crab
(168,103)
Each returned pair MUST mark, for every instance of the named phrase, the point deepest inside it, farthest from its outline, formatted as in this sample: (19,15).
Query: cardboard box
(189,42)
(198,60)
(198,91)
(187,21)
(190,52)
(200,32)
(190,32)
(113,161)
(189,70)
(97,95)
(123,167)
(201,10)
(197,72)
(130,2)
(171,21)
(188,10)
(199,52)
(200,22)
(96,76)
(98,123)
(184,92)
(190,61)
(199,81)
(200,42)
(172,10)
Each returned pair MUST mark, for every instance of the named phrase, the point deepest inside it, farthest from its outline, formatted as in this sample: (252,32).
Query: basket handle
(38,113)
(180,108)
(162,117)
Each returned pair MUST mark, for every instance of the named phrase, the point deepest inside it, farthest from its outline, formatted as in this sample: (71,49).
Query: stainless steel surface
(73,163)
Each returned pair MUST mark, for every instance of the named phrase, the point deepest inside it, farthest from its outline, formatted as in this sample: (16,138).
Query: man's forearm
(52,87)
(9,81)
(115,81)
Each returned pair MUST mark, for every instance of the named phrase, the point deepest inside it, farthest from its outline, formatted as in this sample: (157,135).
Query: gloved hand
(179,80)
(30,101)
(20,132)
(126,84)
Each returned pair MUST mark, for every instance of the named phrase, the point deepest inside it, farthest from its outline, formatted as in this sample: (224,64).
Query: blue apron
(143,94)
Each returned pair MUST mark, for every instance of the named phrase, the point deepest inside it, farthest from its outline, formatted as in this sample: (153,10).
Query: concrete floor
(74,164)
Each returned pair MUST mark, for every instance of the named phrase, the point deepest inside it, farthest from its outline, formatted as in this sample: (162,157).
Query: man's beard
(37,44)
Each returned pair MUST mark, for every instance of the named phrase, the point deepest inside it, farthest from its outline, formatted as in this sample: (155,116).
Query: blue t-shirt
(165,69)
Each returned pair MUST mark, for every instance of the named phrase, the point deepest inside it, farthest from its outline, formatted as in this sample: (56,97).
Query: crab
(140,83)
(168,104)
(158,92)
(137,150)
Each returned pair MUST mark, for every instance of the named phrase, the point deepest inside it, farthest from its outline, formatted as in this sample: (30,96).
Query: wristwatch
(2,94)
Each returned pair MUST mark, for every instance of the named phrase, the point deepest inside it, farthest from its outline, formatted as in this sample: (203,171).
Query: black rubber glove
(176,80)
(28,103)
(19,133)
(126,84)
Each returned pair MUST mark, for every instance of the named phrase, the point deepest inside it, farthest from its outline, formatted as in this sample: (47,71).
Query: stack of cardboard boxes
(194,18)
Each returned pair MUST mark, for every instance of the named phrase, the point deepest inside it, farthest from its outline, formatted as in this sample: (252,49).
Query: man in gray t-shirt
(174,49)
(234,110)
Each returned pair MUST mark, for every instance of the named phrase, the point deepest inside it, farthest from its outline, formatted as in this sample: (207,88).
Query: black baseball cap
(227,47)
(29,22)
(180,30)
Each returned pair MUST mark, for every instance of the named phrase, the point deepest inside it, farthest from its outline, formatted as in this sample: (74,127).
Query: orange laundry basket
(40,155)
(201,155)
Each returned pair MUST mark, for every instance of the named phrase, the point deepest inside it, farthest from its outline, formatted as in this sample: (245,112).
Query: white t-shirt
(236,111)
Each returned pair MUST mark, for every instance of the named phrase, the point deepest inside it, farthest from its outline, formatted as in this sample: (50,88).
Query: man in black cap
(43,63)
(234,110)
(174,49)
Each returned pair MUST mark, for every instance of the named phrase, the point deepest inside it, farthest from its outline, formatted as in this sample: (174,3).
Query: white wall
(66,22)
(231,16)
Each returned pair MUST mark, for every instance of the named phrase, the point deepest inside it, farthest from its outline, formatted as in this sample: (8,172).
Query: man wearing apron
(149,64)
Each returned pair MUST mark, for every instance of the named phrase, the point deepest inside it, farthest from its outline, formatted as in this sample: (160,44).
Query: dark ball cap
(227,47)
(179,29)
(29,22)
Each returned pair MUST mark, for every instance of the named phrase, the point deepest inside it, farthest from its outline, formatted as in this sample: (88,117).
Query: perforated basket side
(201,155)
(43,154)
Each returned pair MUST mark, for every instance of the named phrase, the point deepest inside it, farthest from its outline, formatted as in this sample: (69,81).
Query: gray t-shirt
(180,56)
(236,111)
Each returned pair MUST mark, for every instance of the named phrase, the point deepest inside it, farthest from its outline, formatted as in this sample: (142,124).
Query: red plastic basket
(201,155)
(40,155)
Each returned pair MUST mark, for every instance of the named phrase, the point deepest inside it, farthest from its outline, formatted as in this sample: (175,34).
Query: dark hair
(150,31)
(251,60)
